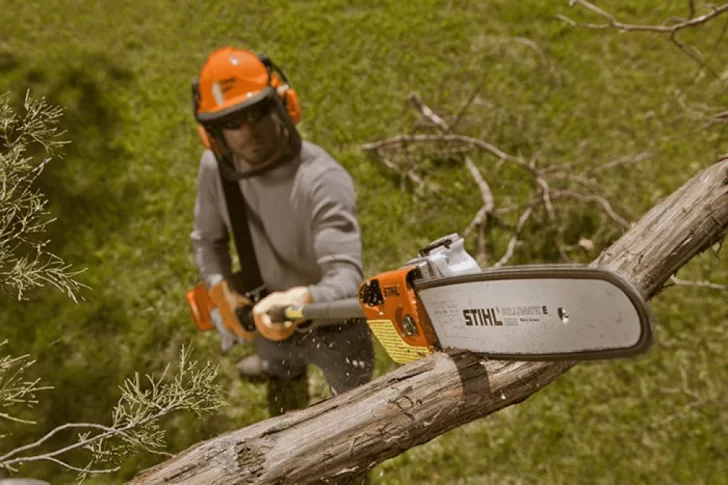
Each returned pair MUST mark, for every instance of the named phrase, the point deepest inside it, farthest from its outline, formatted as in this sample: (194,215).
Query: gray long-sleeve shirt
(302,219)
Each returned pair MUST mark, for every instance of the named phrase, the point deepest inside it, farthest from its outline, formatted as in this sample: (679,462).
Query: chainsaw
(442,300)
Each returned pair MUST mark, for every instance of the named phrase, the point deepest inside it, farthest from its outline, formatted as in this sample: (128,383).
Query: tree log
(338,439)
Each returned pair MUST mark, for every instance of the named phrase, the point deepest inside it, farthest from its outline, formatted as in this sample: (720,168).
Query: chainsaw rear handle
(328,310)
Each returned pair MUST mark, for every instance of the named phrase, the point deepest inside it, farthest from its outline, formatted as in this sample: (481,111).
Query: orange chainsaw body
(390,297)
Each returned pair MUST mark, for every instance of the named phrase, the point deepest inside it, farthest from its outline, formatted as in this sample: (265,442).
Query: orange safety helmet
(231,83)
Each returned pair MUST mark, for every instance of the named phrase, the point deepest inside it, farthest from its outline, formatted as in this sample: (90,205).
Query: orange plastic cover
(200,307)
(390,296)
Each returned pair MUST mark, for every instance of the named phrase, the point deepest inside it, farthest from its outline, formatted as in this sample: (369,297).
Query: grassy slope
(124,197)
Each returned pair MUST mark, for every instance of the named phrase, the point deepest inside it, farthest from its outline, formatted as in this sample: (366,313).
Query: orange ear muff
(293,105)
(201,132)
(289,98)
(209,143)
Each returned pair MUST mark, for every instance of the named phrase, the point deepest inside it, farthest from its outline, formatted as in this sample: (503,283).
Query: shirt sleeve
(336,236)
(210,236)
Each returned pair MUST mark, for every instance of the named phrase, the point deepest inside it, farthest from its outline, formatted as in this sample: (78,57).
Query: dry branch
(335,440)
(699,284)
(550,183)
(514,239)
(403,140)
(486,193)
(612,22)
(670,27)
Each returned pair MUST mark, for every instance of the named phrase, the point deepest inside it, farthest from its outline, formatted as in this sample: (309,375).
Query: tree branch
(671,30)
(550,183)
(401,140)
(699,284)
(612,22)
(340,438)
(514,239)
(485,191)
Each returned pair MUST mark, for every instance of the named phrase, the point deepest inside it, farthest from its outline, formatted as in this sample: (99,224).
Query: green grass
(124,195)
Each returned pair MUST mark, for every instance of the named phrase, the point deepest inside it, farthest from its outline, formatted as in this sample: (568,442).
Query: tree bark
(336,440)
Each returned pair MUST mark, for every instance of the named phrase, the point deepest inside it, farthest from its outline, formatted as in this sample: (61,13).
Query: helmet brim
(239,104)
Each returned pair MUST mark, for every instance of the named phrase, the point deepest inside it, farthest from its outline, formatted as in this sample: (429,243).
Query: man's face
(254,136)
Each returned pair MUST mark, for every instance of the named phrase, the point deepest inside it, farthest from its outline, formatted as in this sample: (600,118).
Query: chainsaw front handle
(328,310)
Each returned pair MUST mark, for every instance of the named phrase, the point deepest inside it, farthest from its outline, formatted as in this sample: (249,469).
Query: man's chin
(252,159)
(256,161)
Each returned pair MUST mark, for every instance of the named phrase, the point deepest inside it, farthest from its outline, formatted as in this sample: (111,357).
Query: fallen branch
(411,175)
(612,22)
(402,140)
(601,201)
(550,183)
(485,192)
(699,284)
(671,27)
(514,239)
(338,439)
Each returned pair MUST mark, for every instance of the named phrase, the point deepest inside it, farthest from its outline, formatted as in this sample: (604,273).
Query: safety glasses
(252,114)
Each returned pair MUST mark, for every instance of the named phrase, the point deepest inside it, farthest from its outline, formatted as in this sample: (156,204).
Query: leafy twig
(134,418)
(25,262)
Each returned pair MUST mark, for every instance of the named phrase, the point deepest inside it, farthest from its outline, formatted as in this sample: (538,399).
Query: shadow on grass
(87,188)
(76,345)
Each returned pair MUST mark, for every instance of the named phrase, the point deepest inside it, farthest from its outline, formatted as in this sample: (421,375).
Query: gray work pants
(344,353)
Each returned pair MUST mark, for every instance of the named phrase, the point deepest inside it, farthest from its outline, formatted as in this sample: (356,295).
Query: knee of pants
(283,369)
(281,360)
(345,354)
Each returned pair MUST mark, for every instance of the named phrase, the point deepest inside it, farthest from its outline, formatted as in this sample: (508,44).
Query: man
(301,215)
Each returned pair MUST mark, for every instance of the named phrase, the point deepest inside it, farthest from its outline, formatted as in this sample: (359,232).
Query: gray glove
(227,338)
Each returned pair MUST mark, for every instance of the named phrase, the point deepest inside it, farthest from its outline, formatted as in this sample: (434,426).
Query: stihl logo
(391,291)
(481,317)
